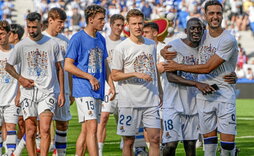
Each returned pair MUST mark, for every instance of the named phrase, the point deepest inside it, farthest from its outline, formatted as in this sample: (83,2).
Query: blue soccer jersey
(90,55)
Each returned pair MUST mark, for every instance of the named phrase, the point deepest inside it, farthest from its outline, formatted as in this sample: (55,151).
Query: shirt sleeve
(226,49)
(73,47)
(58,53)
(118,59)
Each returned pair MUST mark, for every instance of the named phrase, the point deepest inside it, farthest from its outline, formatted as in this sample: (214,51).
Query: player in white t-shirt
(41,73)
(8,90)
(56,19)
(134,67)
(116,25)
(218,57)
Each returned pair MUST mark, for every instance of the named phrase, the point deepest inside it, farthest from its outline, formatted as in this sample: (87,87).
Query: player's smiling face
(136,25)
(194,31)
(214,16)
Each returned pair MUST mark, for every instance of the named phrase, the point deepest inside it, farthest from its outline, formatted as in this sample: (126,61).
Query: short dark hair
(4,25)
(134,13)
(17,29)
(195,19)
(57,13)
(212,2)
(152,25)
(116,17)
(33,16)
(92,10)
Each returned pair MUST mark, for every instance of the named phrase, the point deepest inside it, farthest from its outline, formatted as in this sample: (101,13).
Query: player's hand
(170,66)
(160,67)
(112,93)
(143,76)
(17,100)
(61,100)
(94,83)
(231,78)
(168,55)
(72,100)
(205,88)
(26,83)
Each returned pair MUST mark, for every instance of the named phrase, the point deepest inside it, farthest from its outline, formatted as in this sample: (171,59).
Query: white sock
(11,141)
(210,149)
(148,144)
(61,142)
(100,145)
(38,141)
(1,142)
(20,146)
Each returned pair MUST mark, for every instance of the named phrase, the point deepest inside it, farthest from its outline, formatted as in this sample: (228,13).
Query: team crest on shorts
(122,129)
(90,113)
(167,135)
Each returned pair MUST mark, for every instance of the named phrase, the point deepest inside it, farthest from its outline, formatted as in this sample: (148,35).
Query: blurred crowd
(238,16)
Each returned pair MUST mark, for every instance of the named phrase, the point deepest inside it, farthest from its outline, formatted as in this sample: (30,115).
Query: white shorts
(63,113)
(217,115)
(178,127)
(109,106)
(129,119)
(88,108)
(35,108)
(9,114)
(20,111)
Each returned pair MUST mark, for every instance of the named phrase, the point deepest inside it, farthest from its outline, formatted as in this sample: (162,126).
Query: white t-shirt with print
(130,57)
(180,97)
(63,43)
(8,84)
(110,48)
(38,62)
(225,46)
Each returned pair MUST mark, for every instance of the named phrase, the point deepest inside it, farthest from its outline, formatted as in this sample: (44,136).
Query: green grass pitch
(244,138)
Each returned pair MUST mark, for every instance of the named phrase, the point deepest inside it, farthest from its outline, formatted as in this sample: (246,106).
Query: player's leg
(61,137)
(81,141)
(190,133)
(31,127)
(208,125)
(129,120)
(128,142)
(45,124)
(152,124)
(101,132)
(21,125)
(62,117)
(227,128)
(88,110)
(172,131)
(1,123)
(11,137)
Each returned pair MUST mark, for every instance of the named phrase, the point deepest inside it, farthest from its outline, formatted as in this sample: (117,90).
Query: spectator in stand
(147,11)
(249,74)
(242,57)
(239,72)
(76,18)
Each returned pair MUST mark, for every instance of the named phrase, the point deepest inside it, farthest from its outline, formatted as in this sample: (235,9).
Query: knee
(45,129)
(91,127)
(128,141)
(104,119)
(190,143)
(171,146)
(61,126)
(31,131)
(155,139)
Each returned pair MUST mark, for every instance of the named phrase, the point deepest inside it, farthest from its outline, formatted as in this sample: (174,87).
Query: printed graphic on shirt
(189,60)
(37,63)
(143,63)
(110,56)
(95,61)
(4,76)
(206,52)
